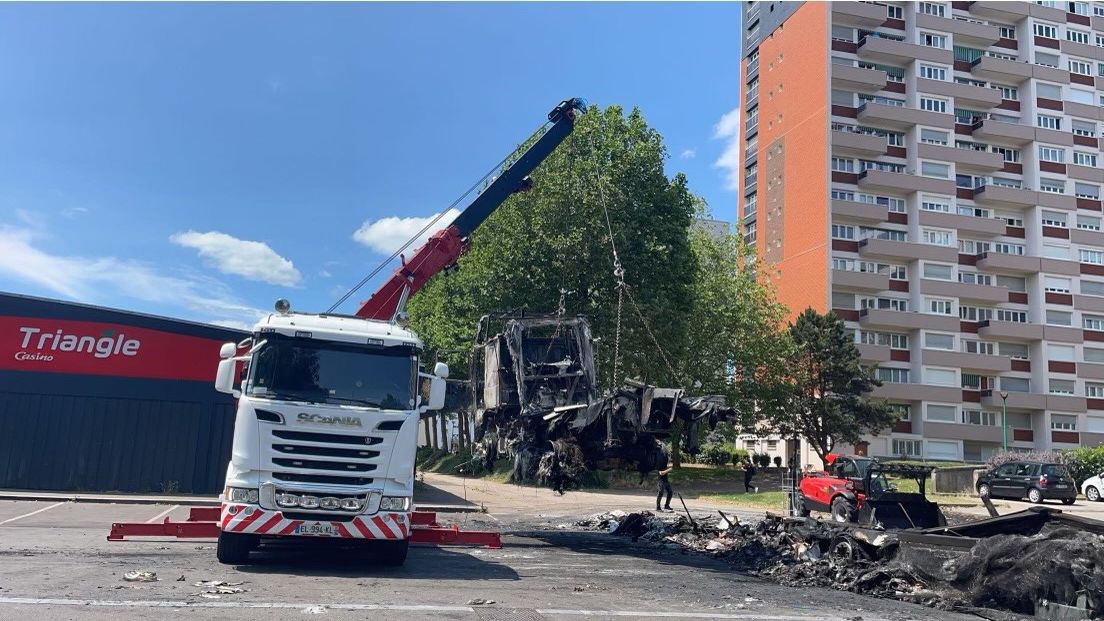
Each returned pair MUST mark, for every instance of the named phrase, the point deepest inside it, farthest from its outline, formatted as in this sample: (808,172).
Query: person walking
(749,472)
(663,486)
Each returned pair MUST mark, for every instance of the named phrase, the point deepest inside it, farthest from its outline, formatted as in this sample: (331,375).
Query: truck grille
(323,458)
(292,477)
(332,438)
(324,451)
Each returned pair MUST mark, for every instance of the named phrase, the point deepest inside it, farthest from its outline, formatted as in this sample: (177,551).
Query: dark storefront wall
(147,422)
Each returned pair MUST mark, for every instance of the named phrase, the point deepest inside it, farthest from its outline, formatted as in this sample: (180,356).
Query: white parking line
(26,515)
(162,514)
(684,614)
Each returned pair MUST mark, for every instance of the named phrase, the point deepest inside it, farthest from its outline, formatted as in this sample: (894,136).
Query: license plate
(1061,486)
(317,529)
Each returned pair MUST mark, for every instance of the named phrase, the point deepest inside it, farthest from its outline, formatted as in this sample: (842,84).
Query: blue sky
(201,160)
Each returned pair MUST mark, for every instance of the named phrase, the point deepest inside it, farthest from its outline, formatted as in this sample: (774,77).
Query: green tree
(826,398)
(555,237)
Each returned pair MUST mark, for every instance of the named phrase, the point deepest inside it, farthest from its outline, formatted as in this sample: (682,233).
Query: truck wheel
(844,547)
(802,508)
(1034,495)
(393,553)
(842,510)
(233,548)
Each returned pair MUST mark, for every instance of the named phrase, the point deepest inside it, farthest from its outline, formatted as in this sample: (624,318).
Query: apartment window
(1054,218)
(1062,387)
(935,205)
(1094,391)
(1059,318)
(938,271)
(843,231)
(1080,67)
(970,246)
(969,181)
(931,104)
(937,237)
(1099,40)
(1077,36)
(933,40)
(1100,72)
(979,417)
(975,278)
(1061,353)
(1009,154)
(885,166)
(1053,186)
(1048,122)
(1084,128)
(1080,8)
(1086,190)
(898,272)
(934,340)
(978,347)
(1007,32)
(1018,351)
(895,304)
(1048,91)
(941,413)
(974,212)
(1011,316)
(872,233)
(1091,287)
(1063,422)
(906,448)
(1056,251)
(942,449)
(1056,284)
(1084,159)
(891,340)
(1015,384)
(1014,283)
(974,313)
(902,410)
(1051,154)
(1092,322)
(752,118)
(932,169)
(933,72)
(934,136)
(1007,248)
(1047,60)
(1010,93)
(933,8)
(893,376)
(1096,257)
(1046,30)
(1077,95)
(894,12)
(937,306)
(843,164)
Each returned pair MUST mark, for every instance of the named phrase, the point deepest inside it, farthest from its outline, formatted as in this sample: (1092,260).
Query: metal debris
(480,602)
(140,576)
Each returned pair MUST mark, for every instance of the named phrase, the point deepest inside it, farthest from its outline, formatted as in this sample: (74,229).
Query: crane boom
(447,245)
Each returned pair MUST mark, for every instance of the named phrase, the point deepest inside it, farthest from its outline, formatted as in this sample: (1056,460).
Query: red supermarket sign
(65,346)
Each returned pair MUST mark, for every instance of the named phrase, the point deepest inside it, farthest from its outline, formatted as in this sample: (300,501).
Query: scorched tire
(842,510)
(1092,494)
(1035,496)
(233,548)
(393,553)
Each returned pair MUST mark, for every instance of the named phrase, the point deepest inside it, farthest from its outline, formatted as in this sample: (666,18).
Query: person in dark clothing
(749,472)
(663,485)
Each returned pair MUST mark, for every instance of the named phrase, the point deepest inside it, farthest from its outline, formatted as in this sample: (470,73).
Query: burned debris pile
(1060,564)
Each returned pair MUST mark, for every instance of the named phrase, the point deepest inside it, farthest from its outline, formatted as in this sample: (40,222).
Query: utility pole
(1004,417)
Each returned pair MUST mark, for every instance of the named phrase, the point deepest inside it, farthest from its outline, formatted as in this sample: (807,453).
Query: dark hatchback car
(1037,481)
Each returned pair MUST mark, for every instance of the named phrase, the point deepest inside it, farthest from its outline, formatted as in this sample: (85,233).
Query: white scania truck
(328,405)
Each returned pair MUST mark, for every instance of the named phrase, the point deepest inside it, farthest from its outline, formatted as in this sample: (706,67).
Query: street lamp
(1004,417)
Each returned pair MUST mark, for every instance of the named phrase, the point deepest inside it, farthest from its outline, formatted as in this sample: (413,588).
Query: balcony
(1084,50)
(1001,262)
(1007,12)
(859,14)
(1089,303)
(1063,334)
(1085,111)
(967,224)
(851,143)
(857,79)
(972,33)
(1001,70)
(854,210)
(1090,371)
(970,433)
(966,291)
(982,161)
(893,52)
(965,95)
(1003,131)
(1016,400)
(917,392)
(867,281)
(1011,330)
(890,249)
(1004,196)
(1059,266)
(1067,202)
(900,117)
(1050,74)
(885,181)
(1066,403)
(1085,173)
(873,353)
(974,362)
(906,320)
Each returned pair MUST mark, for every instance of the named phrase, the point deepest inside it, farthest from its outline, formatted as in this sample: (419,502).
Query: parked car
(1093,487)
(1037,481)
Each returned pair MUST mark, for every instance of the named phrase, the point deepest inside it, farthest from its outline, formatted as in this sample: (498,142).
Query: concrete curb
(184,501)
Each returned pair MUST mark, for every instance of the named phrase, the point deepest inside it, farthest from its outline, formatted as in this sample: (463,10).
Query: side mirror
(441,370)
(224,377)
(433,393)
(228,350)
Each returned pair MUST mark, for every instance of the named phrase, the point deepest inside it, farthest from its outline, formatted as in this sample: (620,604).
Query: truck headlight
(243,495)
(287,500)
(308,502)
(351,504)
(395,503)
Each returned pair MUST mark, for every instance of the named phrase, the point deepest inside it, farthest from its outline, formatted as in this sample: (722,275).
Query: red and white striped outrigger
(206,523)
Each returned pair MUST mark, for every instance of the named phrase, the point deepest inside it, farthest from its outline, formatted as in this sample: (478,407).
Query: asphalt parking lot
(57,564)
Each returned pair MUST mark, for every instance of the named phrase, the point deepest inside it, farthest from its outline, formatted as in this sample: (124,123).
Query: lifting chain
(619,274)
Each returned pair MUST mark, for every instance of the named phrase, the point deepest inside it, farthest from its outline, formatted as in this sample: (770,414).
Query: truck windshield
(300,369)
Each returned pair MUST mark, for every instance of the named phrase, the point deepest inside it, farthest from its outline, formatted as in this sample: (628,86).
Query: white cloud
(728,129)
(105,279)
(324,273)
(250,259)
(71,212)
(387,235)
(232,323)
(688,154)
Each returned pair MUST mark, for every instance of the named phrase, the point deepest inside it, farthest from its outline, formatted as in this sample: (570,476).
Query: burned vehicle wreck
(535,397)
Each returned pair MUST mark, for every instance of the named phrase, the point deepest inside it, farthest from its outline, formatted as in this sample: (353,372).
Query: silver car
(1093,487)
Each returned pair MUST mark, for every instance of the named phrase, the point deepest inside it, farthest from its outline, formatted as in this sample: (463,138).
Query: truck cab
(325,431)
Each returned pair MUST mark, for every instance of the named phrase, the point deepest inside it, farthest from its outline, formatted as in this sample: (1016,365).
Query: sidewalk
(130,499)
